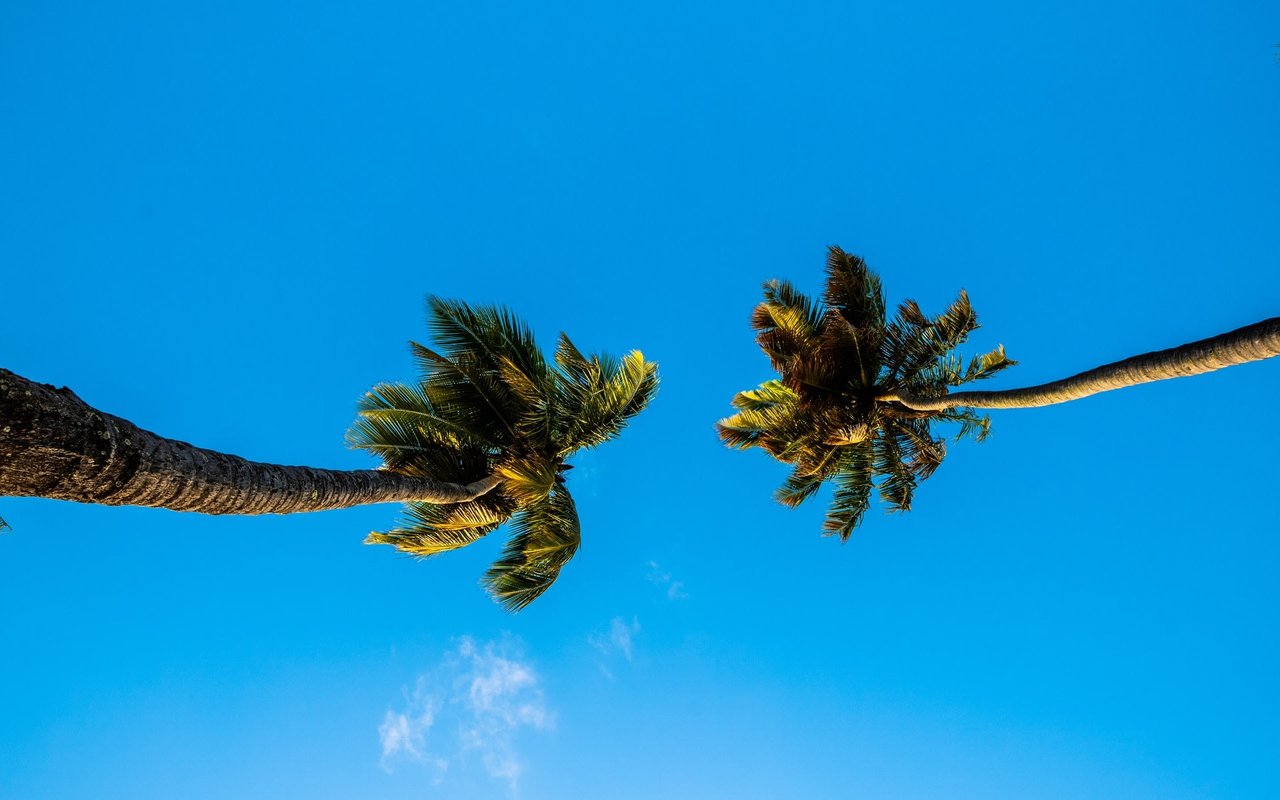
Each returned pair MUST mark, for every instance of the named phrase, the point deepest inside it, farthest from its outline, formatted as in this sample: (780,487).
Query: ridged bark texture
(52,444)
(1250,343)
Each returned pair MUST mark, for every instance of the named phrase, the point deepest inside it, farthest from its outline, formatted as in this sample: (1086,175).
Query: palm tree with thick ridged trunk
(489,402)
(859,393)
(54,445)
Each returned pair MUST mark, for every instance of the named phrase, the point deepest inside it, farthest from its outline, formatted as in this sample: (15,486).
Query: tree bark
(53,444)
(1250,343)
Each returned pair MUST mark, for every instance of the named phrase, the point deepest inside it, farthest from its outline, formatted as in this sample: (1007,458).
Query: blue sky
(221,219)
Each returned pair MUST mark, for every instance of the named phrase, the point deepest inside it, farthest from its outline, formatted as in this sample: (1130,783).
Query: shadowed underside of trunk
(1250,343)
(53,444)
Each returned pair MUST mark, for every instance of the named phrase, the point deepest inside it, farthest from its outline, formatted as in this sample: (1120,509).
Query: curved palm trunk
(52,444)
(1250,343)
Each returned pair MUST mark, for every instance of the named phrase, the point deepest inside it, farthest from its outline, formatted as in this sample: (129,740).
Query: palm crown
(836,358)
(488,402)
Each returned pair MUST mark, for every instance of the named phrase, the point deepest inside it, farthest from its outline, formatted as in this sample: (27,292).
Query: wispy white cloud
(617,640)
(620,635)
(469,708)
(405,732)
(659,577)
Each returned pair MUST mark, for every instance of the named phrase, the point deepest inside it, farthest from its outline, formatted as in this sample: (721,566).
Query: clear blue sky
(220,221)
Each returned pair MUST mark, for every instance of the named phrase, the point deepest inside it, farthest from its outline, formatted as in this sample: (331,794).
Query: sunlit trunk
(1250,343)
(52,444)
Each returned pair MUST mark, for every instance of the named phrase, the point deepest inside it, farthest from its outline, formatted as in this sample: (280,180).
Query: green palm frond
(972,424)
(474,394)
(408,449)
(411,406)
(491,332)
(852,496)
(575,365)
(768,395)
(535,424)
(803,315)
(923,452)
(428,529)
(947,331)
(799,486)
(545,536)
(853,291)
(614,393)
(988,364)
(787,323)
(752,427)
(897,482)
(527,480)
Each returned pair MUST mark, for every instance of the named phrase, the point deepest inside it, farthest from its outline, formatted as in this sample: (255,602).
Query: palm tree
(54,445)
(488,402)
(859,393)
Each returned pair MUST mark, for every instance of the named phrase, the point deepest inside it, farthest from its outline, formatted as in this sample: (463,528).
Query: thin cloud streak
(485,695)
(659,577)
(617,641)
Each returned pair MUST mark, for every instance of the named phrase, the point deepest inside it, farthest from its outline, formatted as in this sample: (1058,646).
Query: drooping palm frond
(527,479)
(603,399)
(488,402)
(544,537)
(852,496)
(836,357)
(429,530)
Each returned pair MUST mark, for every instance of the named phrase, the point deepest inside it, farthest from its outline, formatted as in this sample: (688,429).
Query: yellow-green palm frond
(527,479)
(761,425)
(571,360)
(429,529)
(410,406)
(768,395)
(787,323)
(915,342)
(406,446)
(545,536)
(597,407)
(852,496)
(470,393)
(799,486)
(897,482)
(490,332)
(972,424)
(986,365)
(853,291)
(535,422)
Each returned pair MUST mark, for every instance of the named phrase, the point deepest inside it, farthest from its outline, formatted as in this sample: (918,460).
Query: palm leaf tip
(545,536)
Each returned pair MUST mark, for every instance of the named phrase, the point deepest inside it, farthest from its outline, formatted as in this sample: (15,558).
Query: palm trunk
(52,444)
(1250,343)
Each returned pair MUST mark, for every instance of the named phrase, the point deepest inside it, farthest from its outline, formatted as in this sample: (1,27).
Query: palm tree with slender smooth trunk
(489,402)
(859,393)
